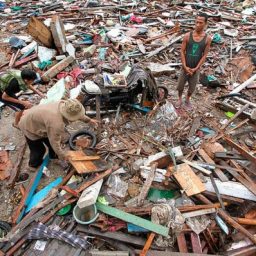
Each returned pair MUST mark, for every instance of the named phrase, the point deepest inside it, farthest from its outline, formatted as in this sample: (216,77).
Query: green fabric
(155,194)
(44,64)
(6,78)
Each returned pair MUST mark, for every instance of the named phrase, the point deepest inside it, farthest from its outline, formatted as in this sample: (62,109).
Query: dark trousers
(37,151)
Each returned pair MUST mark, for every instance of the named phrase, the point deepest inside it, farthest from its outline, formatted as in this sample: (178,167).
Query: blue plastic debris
(42,194)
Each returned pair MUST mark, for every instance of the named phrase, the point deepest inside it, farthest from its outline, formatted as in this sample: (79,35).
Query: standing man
(43,126)
(194,49)
(11,83)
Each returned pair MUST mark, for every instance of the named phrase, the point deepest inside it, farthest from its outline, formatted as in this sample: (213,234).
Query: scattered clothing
(41,231)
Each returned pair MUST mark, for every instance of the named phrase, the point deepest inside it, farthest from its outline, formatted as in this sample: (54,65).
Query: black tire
(79,133)
(5,227)
(88,100)
(164,91)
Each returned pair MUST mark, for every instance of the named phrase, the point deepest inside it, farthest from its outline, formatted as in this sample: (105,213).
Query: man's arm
(54,136)
(31,87)
(87,119)
(9,94)
(202,60)
(183,53)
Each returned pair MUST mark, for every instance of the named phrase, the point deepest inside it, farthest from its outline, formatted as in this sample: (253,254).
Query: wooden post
(148,244)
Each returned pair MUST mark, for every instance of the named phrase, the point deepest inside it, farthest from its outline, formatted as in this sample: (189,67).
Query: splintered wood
(188,180)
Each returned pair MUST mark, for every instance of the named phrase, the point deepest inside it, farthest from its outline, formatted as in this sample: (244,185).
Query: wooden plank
(144,190)
(198,213)
(159,229)
(208,160)
(40,32)
(118,236)
(230,188)
(108,253)
(167,253)
(16,170)
(188,208)
(199,168)
(83,166)
(56,69)
(245,221)
(188,180)
(85,158)
(182,242)
(196,243)
(148,244)
(229,199)
(25,60)
(241,171)
(241,150)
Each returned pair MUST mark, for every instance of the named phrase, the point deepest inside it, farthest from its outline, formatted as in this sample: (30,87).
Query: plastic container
(86,215)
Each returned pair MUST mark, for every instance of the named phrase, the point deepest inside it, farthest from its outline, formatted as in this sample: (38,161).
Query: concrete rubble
(151,179)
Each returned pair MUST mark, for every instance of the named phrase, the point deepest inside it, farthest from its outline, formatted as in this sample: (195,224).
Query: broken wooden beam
(208,160)
(196,243)
(228,199)
(198,213)
(144,190)
(241,150)
(16,170)
(119,236)
(53,71)
(188,208)
(147,244)
(25,60)
(249,185)
(181,240)
(196,166)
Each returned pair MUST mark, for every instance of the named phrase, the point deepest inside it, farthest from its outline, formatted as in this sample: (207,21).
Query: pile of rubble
(152,179)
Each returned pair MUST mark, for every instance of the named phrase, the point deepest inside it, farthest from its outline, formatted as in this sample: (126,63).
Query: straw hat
(72,110)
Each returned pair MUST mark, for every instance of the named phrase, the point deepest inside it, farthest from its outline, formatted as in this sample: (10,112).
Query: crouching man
(44,125)
(11,83)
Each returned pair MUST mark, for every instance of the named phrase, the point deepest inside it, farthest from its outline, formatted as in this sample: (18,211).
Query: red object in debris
(75,73)
(200,134)
(136,19)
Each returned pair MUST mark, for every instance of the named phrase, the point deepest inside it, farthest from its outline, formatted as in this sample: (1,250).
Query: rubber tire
(79,133)
(165,91)
(5,226)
